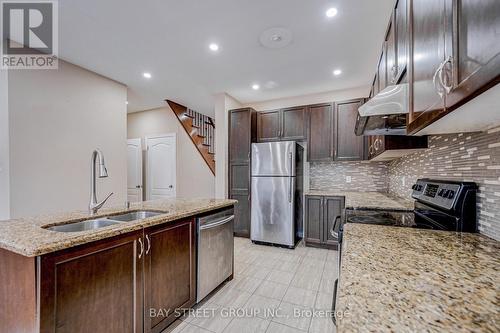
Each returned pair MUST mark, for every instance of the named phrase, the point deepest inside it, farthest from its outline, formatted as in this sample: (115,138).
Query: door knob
(170,186)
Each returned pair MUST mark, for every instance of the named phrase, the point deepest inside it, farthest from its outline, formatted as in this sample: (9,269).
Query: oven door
(427,217)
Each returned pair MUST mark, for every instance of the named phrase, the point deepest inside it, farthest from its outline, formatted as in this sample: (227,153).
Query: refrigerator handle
(290,178)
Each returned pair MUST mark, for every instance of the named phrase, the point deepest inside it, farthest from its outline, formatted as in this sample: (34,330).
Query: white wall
(325,97)
(56,119)
(4,147)
(223,103)
(194,178)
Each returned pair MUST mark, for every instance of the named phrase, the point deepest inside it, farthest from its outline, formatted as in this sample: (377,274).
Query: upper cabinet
(293,123)
(268,126)
(429,42)
(281,125)
(320,132)
(400,24)
(476,49)
(349,146)
(455,55)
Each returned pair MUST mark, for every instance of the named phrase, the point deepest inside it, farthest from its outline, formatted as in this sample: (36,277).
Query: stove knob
(419,188)
(445,194)
(414,187)
(451,194)
(441,192)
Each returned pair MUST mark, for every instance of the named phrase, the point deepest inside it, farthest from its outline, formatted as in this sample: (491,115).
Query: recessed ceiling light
(146,75)
(331,12)
(213,47)
(337,72)
(255,87)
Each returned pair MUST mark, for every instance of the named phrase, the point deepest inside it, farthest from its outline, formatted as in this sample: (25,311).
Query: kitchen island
(414,280)
(105,279)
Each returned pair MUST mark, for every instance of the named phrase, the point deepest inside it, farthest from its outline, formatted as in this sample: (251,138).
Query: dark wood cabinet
(389,147)
(429,33)
(475,61)
(322,215)
(391,53)
(314,220)
(241,125)
(93,288)
(242,129)
(319,132)
(401,27)
(349,146)
(282,125)
(455,56)
(382,68)
(169,272)
(293,123)
(268,126)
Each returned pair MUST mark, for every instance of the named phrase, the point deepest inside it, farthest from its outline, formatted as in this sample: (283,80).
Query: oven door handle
(431,221)
(217,223)
(332,232)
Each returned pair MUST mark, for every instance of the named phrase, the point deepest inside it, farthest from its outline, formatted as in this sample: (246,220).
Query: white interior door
(161,166)
(134,170)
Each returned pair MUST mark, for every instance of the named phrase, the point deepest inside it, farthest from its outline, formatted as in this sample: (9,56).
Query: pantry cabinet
(242,129)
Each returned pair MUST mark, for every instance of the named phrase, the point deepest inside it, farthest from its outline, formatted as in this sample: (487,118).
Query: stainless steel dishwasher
(215,251)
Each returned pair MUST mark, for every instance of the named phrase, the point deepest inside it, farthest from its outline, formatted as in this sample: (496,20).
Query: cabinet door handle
(436,80)
(149,244)
(394,73)
(142,248)
(446,87)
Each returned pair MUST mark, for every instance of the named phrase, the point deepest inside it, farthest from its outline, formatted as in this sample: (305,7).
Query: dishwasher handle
(217,223)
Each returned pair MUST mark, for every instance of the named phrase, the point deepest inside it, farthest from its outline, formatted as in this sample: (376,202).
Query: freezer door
(272,210)
(273,158)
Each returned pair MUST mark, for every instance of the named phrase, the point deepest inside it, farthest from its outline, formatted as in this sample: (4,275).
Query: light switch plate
(348,179)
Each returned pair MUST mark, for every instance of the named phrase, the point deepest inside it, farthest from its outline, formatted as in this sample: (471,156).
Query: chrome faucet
(103,173)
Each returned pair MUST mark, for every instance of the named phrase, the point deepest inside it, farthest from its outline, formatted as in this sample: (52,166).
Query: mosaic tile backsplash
(465,156)
(364,176)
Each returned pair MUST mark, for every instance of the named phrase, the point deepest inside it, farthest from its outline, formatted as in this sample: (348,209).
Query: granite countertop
(414,280)
(27,237)
(367,200)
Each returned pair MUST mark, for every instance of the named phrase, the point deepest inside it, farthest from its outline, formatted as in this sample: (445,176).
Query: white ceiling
(121,39)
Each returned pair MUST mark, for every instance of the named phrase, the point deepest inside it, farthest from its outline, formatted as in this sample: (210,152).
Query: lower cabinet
(323,214)
(95,287)
(169,273)
(129,283)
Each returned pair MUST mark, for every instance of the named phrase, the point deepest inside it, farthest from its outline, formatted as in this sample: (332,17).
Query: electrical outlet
(348,179)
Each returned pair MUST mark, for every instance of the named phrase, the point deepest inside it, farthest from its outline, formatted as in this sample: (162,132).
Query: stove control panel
(437,193)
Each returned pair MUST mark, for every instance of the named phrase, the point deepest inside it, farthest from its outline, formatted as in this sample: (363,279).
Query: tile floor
(271,286)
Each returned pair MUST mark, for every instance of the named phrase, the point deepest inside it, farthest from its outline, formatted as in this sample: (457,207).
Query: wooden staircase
(201,130)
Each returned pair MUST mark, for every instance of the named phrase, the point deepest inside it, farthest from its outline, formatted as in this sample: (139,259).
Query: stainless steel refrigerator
(276,208)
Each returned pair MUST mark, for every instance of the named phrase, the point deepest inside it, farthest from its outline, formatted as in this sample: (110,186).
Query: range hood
(391,100)
(385,113)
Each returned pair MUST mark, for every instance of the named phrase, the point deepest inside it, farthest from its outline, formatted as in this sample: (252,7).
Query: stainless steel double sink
(105,221)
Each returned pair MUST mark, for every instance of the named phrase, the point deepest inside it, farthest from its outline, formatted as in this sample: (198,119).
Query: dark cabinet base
(322,214)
